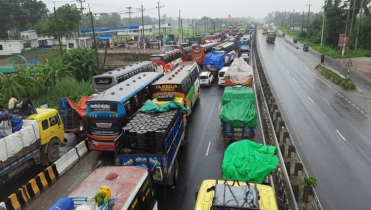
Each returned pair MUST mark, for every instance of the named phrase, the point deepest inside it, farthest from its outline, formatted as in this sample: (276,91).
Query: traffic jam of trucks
(152,131)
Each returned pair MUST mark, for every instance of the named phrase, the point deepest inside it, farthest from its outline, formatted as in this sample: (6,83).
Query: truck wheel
(176,171)
(53,151)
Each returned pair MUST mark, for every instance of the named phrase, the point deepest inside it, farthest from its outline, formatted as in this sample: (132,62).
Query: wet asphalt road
(329,126)
(200,159)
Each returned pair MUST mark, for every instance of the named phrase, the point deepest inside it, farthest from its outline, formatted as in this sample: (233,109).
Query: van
(221,73)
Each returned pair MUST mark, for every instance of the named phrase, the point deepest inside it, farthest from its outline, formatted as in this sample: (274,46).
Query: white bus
(125,187)
(111,78)
(221,73)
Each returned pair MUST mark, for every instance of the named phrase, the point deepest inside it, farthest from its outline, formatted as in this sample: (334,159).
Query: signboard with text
(341,40)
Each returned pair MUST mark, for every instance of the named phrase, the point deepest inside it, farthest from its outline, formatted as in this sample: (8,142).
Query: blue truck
(152,140)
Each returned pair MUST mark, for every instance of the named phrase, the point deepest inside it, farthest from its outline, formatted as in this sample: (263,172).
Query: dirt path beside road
(361,64)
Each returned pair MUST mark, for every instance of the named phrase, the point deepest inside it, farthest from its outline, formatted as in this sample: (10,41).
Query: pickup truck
(37,142)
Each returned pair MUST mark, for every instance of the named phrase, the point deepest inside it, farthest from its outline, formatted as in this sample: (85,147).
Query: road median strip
(34,187)
(336,77)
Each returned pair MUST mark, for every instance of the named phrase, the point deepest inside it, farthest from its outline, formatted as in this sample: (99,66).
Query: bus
(228,47)
(111,78)
(165,61)
(186,54)
(199,52)
(109,111)
(235,194)
(125,188)
(182,81)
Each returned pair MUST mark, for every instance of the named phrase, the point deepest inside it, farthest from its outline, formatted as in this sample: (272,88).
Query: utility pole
(179,26)
(170,25)
(95,40)
(346,28)
(159,22)
(308,18)
(82,14)
(302,22)
(181,22)
(359,23)
(142,28)
(57,31)
(129,8)
(351,24)
(323,22)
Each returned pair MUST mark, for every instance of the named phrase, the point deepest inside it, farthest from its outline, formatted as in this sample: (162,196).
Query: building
(82,42)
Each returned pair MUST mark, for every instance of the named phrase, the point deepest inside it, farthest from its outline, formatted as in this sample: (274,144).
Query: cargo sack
(5,130)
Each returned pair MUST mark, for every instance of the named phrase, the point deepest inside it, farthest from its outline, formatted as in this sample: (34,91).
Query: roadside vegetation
(347,84)
(334,16)
(67,76)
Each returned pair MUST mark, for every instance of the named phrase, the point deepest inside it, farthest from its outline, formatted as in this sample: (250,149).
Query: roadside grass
(65,87)
(347,84)
(325,49)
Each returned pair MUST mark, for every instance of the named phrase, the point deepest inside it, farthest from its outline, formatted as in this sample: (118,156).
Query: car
(45,46)
(206,78)
(245,57)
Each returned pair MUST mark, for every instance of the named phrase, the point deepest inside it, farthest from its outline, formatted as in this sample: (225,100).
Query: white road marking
(341,135)
(282,65)
(327,102)
(310,99)
(294,80)
(220,104)
(288,72)
(207,151)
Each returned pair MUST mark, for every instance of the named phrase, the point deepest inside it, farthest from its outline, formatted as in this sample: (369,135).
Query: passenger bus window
(136,100)
(127,106)
(45,124)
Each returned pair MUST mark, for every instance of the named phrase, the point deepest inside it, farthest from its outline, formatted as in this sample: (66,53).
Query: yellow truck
(234,194)
(265,30)
(37,142)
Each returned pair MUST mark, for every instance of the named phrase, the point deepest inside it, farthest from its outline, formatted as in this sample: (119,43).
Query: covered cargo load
(239,113)
(238,93)
(240,73)
(216,59)
(252,163)
(13,144)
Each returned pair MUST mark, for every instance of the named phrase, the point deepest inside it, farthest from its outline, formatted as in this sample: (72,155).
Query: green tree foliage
(109,20)
(11,13)
(68,22)
(82,63)
(335,17)
(35,11)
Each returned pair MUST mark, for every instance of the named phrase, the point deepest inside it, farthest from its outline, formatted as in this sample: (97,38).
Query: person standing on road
(12,103)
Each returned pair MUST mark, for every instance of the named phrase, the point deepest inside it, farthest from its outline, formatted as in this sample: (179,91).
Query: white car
(206,78)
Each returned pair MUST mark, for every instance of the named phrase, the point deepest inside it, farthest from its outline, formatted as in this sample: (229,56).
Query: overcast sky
(196,8)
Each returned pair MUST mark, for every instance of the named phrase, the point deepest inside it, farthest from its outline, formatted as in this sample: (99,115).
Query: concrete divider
(16,200)
(66,161)
(81,149)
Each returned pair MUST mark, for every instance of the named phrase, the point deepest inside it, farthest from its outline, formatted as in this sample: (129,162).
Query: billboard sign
(341,40)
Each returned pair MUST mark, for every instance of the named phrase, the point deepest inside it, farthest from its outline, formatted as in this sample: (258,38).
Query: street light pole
(159,21)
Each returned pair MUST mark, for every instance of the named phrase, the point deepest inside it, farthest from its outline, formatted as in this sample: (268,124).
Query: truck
(271,36)
(234,194)
(153,139)
(170,39)
(37,142)
(74,115)
(265,29)
(238,115)
(113,188)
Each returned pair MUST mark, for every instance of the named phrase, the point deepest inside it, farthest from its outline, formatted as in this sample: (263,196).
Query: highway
(200,159)
(329,128)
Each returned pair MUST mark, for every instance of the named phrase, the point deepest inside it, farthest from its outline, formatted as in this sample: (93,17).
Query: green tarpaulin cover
(238,93)
(239,113)
(151,107)
(249,161)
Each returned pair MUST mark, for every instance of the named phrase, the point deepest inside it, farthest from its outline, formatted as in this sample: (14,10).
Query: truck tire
(53,151)
(176,172)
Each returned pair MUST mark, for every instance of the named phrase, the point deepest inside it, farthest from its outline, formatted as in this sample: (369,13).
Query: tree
(35,11)
(335,19)
(68,22)
(12,17)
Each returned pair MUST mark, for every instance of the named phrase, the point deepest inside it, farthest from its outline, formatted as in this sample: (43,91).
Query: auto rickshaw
(306,47)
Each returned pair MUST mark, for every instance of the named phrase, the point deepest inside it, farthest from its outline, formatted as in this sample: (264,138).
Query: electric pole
(302,23)
(308,18)
(57,31)
(351,24)
(346,28)
(129,8)
(82,14)
(359,23)
(179,26)
(159,22)
(95,40)
(170,25)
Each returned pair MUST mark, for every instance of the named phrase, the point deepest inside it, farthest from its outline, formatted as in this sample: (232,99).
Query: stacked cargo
(146,132)
(240,73)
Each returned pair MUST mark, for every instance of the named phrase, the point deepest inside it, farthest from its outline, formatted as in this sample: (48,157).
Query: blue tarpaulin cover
(215,58)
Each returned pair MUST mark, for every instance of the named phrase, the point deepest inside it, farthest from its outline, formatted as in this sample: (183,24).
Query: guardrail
(289,176)
(334,71)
